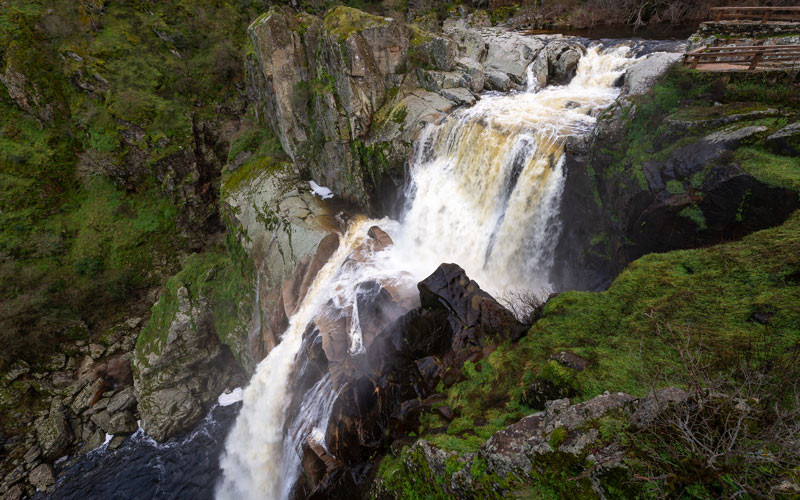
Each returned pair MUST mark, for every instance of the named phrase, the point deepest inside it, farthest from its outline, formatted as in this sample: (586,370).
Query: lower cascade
(484,192)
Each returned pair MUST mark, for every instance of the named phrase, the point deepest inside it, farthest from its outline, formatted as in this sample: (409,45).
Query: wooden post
(766,16)
(755,61)
(719,16)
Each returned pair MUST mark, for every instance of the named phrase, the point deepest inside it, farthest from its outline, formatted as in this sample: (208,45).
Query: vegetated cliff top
(104,105)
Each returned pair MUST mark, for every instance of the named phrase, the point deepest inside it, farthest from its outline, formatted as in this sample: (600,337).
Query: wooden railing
(744,57)
(758,14)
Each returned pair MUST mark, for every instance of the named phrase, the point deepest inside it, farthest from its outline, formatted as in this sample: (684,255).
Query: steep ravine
(484,190)
(359,339)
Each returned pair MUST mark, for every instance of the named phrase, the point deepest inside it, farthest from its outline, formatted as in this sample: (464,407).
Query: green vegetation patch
(708,294)
(263,152)
(776,170)
(216,277)
(343,21)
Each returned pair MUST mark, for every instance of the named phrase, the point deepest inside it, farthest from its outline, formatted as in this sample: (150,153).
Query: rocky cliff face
(348,94)
(193,346)
(668,168)
(384,392)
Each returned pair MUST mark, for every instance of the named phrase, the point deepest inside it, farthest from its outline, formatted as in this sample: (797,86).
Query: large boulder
(54,434)
(786,141)
(557,63)
(512,450)
(180,368)
(641,77)
(474,314)
(510,53)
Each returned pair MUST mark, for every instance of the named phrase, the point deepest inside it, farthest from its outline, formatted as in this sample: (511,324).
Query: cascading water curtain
(484,193)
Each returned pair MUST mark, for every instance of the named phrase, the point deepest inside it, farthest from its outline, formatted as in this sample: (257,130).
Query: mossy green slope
(709,294)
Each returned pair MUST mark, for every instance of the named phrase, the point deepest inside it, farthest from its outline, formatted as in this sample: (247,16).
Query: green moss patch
(343,21)
(214,276)
(710,294)
(776,170)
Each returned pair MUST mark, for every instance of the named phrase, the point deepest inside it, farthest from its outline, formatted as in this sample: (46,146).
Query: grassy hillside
(108,95)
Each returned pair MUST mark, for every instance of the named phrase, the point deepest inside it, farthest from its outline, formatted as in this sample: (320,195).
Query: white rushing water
(484,193)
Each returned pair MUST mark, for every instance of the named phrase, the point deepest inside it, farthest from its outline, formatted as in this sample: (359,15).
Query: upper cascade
(484,193)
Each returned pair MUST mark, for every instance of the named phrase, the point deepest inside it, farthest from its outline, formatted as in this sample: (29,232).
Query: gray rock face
(648,409)
(117,423)
(440,52)
(511,53)
(322,87)
(459,96)
(54,435)
(279,253)
(42,476)
(557,63)
(786,141)
(474,71)
(123,400)
(178,377)
(510,451)
(641,77)
(497,80)
(282,62)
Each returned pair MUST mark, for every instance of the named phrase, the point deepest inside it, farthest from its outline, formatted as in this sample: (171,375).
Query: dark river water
(659,31)
(183,468)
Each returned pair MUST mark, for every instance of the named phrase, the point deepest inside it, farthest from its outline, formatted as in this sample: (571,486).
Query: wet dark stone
(405,418)
(761,317)
(571,360)
(446,412)
(542,390)
(430,370)
(474,315)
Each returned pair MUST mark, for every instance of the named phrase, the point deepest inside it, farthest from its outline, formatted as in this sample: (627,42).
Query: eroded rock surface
(179,376)
(385,389)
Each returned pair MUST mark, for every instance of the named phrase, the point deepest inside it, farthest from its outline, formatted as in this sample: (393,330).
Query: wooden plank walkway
(744,58)
(756,14)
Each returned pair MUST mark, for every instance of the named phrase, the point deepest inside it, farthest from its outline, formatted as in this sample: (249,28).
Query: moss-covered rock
(669,169)
(184,356)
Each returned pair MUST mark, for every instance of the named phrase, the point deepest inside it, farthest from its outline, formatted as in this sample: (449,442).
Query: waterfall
(484,193)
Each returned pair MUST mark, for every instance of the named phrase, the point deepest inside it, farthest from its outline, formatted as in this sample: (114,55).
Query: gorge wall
(354,102)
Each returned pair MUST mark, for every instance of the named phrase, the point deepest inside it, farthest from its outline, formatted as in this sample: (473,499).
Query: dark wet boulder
(571,360)
(405,418)
(429,371)
(387,384)
(474,315)
(542,390)
(786,141)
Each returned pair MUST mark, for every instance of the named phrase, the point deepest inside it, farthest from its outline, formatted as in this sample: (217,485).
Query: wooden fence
(744,57)
(757,14)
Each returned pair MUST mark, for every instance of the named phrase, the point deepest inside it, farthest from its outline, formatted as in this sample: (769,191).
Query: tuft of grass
(776,170)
